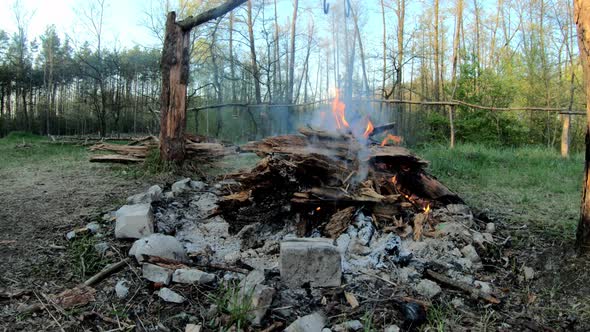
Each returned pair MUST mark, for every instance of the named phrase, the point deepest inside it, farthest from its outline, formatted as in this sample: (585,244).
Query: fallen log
(115,158)
(464,287)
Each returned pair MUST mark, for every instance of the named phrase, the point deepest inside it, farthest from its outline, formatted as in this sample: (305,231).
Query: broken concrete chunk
(181,186)
(470,253)
(121,289)
(478,238)
(155,273)
(490,228)
(153,194)
(169,295)
(192,328)
(310,323)
(428,288)
(261,301)
(192,276)
(160,245)
(485,287)
(351,325)
(392,328)
(198,185)
(134,221)
(316,261)
(102,247)
(260,295)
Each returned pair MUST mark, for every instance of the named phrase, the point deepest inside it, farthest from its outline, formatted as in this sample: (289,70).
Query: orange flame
(338,110)
(369,129)
(318,208)
(427,209)
(392,138)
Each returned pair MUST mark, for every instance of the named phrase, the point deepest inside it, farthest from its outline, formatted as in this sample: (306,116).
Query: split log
(339,222)
(128,150)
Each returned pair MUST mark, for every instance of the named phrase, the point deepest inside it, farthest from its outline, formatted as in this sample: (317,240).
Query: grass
(20,149)
(83,258)
(235,305)
(529,186)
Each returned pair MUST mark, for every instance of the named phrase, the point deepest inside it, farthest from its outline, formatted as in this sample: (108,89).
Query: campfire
(324,177)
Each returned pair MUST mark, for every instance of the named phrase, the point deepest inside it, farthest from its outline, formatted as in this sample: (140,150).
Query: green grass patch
(530,185)
(83,258)
(20,149)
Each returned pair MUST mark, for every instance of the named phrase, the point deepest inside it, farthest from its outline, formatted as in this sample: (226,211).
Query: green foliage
(236,305)
(83,257)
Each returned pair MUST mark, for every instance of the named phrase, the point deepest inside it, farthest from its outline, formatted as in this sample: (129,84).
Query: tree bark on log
(174,66)
(582,19)
(175,70)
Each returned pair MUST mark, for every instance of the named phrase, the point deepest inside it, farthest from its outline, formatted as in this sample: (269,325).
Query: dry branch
(466,288)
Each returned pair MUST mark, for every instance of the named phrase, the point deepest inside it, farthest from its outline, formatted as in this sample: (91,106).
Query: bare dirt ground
(39,204)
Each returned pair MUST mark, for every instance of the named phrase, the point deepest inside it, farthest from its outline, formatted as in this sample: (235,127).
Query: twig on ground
(108,270)
(466,288)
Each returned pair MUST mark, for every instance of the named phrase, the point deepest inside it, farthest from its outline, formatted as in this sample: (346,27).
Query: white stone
(198,185)
(192,276)
(102,247)
(351,325)
(260,295)
(485,287)
(93,227)
(155,273)
(121,289)
(392,328)
(478,238)
(134,221)
(490,228)
(169,295)
(181,186)
(316,261)
(310,323)
(192,328)
(160,245)
(470,253)
(488,237)
(325,329)
(153,194)
(529,273)
(428,288)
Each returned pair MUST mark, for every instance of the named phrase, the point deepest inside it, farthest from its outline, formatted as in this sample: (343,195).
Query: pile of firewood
(197,148)
(322,179)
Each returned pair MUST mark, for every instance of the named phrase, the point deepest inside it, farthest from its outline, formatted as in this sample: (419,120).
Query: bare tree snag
(582,19)
(174,66)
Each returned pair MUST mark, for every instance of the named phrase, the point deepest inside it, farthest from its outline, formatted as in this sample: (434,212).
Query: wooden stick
(108,270)
(274,326)
(466,288)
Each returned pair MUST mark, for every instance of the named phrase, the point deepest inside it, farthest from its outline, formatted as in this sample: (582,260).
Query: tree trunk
(255,71)
(436,53)
(458,24)
(292,50)
(175,71)
(582,19)
(384,69)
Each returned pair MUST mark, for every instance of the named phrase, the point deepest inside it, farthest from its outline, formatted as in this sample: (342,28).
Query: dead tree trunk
(174,66)
(582,19)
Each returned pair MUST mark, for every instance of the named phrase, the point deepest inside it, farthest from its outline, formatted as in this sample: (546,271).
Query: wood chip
(75,297)
(339,222)
(351,299)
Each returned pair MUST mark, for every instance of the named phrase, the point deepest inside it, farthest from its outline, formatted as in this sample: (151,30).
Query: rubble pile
(294,264)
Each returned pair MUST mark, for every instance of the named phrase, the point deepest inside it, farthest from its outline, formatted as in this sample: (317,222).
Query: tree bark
(292,50)
(175,71)
(174,67)
(458,24)
(582,20)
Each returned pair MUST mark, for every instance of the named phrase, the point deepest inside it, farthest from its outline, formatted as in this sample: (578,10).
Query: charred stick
(466,288)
